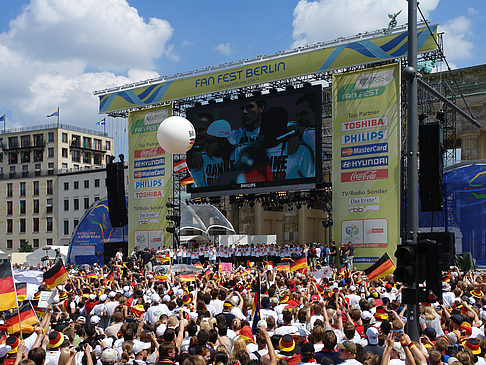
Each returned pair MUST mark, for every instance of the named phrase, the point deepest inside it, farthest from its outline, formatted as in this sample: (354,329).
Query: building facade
(31,164)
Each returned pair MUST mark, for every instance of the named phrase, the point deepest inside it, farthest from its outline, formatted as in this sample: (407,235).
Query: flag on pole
(283,267)
(381,268)
(27,317)
(180,166)
(91,275)
(21,291)
(298,264)
(256,305)
(7,287)
(187,180)
(56,275)
(163,258)
(187,277)
(101,122)
(198,265)
(110,277)
(55,114)
(2,118)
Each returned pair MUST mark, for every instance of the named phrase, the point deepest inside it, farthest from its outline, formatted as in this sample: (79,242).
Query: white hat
(81,319)
(109,355)
(139,346)
(352,288)
(372,334)
(483,315)
(262,324)
(161,330)
(92,297)
(103,297)
(366,315)
(150,276)
(112,294)
(155,298)
(166,298)
(180,292)
(126,288)
(95,320)
(219,128)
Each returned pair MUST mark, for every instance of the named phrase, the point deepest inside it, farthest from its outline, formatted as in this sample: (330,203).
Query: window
(76,204)
(86,184)
(108,145)
(96,198)
(97,183)
(39,140)
(66,186)
(22,207)
(97,144)
(97,159)
(35,224)
(22,189)
(76,140)
(66,204)
(37,169)
(25,156)
(75,167)
(25,141)
(36,188)
(86,157)
(9,208)
(12,158)
(50,152)
(64,166)
(49,224)
(38,156)
(49,187)
(66,228)
(50,136)
(76,185)
(13,142)
(9,225)
(64,137)
(64,152)
(9,244)
(22,225)
(87,142)
(86,203)
(75,223)
(76,156)
(1,156)
(36,243)
(25,170)
(49,242)
(49,206)
(35,206)
(50,167)
(9,190)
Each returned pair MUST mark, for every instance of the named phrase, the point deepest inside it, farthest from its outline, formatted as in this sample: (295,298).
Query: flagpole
(58,115)
(16,301)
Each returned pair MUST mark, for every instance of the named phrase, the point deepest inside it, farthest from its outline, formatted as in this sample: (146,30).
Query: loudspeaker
(431,169)
(446,250)
(115,189)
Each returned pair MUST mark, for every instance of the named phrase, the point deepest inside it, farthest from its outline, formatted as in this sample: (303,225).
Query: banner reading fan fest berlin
(366,161)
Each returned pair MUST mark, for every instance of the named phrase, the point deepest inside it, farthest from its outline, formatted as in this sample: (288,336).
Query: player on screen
(251,119)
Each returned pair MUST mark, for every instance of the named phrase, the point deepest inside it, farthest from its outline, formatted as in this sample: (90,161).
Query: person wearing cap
(90,303)
(108,356)
(56,339)
(372,336)
(347,352)
(266,309)
(99,310)
(353,297)
(114,327)
(288,350)
(156,310)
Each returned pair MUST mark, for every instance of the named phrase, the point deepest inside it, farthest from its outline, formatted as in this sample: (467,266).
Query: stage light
(440,116)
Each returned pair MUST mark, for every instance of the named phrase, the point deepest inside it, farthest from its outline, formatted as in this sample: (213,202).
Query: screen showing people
(262,140)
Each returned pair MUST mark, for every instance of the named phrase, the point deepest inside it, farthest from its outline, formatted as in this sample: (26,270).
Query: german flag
(7,287)
(110,278)
(27,317)
(198,265)
(163,258)
(187,180)
(250,265)
(381,268)
(21,291)
(160,278)
(283,267)
(342,270)
(207,274)
(91,275)
(138,310)
(56,275)
(187,277)
(298,264)
(286,259)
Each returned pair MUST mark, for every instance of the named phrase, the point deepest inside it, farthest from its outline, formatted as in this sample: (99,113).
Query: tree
(25,247)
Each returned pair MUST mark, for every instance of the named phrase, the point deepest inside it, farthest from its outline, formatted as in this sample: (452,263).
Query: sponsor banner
(151,188)
(368,149)
(281,66)
(366,190)
(366,260)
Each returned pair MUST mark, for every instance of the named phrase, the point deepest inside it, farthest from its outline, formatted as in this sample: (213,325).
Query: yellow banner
(361,51)
(150,188)
(366,161)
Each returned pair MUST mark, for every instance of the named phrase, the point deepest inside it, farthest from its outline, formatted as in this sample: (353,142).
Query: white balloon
(176,134)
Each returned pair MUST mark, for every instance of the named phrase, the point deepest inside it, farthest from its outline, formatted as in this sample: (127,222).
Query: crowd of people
(124,313)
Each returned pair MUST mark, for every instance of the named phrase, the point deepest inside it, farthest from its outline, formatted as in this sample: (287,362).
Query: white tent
(35,258)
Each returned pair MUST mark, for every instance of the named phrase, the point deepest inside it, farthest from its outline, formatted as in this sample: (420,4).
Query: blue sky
(57,52)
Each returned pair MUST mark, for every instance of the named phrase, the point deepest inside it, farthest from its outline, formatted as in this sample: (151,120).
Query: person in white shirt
(155,311)
(287,326)
(353,297)
(266,310)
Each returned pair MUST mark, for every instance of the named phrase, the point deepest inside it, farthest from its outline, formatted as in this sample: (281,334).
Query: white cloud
(472,11)
(456,46)
(224,48)
(324,20)
(57,52)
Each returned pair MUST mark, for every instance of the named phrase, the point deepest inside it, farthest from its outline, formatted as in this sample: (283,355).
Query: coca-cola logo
(365,175)
(149,152)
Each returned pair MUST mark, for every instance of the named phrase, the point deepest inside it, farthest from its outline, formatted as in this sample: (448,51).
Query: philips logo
(145,184)
(364,137)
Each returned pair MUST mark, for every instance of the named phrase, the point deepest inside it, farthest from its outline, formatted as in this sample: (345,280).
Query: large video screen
(260,144)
